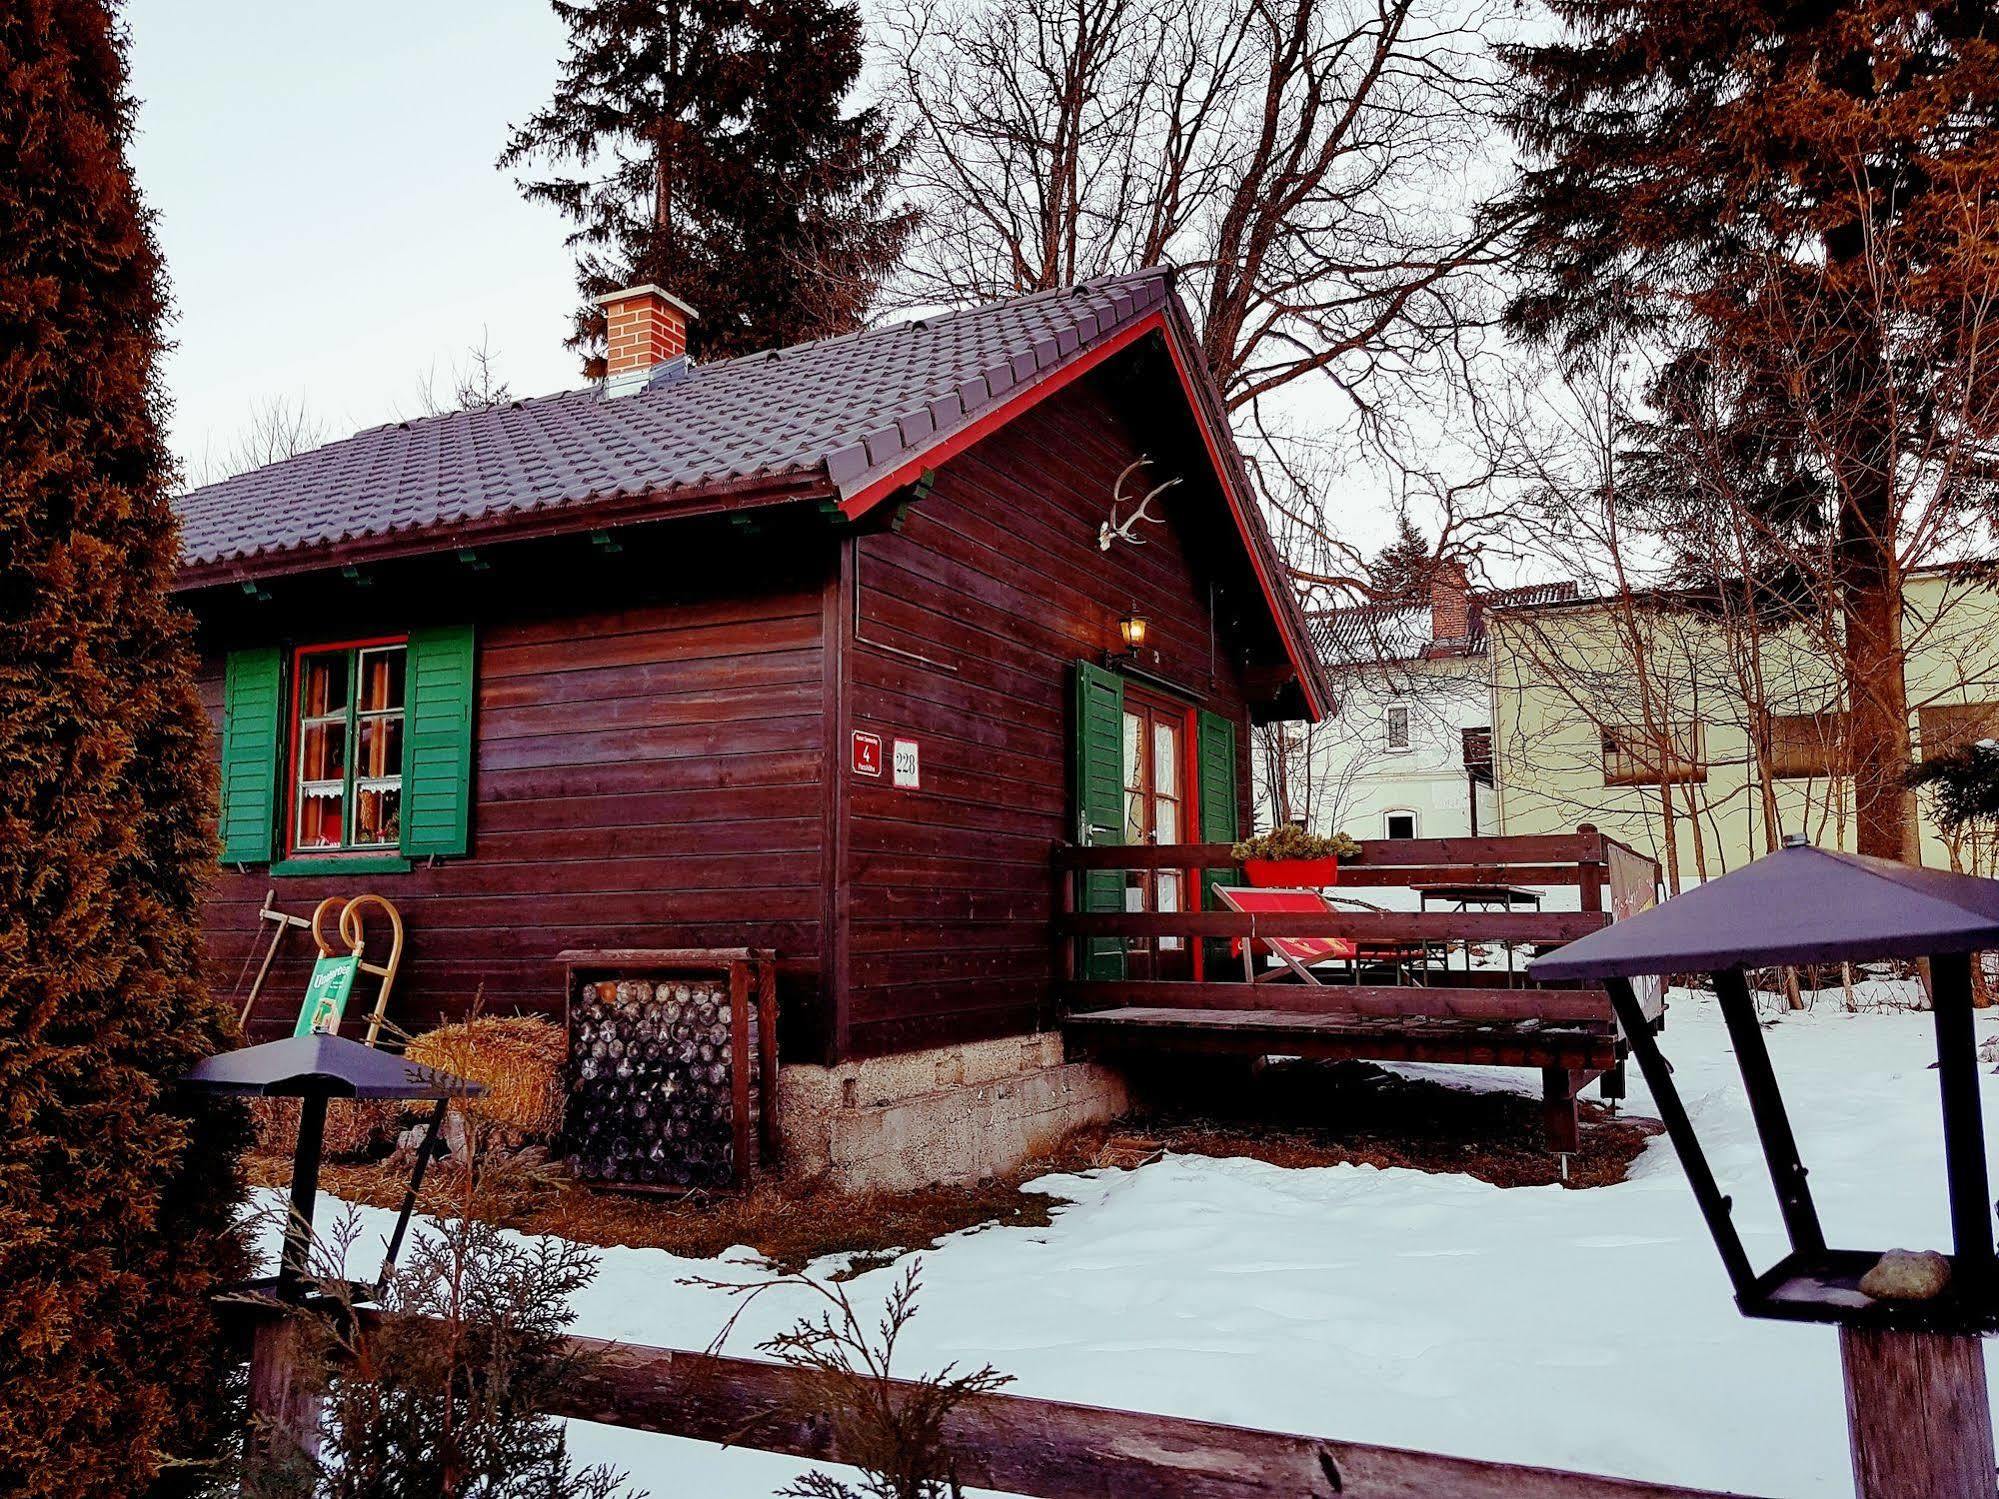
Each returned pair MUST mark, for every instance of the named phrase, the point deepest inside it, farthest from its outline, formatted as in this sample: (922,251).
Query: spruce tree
(115,1205)
(1402,571)
(704,146)
(1792,200)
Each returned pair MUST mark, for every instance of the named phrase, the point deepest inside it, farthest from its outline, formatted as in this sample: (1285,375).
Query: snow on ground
(1585,1329)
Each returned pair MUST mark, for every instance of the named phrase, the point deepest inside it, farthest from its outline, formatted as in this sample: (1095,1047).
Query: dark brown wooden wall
(997,579)
(650,770)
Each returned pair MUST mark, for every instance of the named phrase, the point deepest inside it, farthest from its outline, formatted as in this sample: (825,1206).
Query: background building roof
(1379,634)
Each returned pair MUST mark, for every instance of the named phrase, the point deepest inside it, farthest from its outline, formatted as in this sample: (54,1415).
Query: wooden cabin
(822,651)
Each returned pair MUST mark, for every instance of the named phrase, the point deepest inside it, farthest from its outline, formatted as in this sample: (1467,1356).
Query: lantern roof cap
(1799,904)
(324,1066)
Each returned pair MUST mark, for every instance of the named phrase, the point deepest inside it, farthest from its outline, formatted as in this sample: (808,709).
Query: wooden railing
(1581,860)
(1045,1449)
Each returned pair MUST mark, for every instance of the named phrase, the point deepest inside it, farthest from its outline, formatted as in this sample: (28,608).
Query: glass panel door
(1155,749)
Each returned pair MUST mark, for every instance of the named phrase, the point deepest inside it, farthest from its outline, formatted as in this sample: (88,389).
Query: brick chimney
(646,327)
(1450,604)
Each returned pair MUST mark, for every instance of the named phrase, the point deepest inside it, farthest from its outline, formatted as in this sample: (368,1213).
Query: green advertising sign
(326,994)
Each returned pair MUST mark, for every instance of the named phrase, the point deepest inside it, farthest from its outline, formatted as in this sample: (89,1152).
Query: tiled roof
(847,410)
(1381,634)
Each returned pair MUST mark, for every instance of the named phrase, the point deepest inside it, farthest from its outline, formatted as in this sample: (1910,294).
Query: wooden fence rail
(1046,1449)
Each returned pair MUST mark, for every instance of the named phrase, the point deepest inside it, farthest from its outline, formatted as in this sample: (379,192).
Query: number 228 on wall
(903,765)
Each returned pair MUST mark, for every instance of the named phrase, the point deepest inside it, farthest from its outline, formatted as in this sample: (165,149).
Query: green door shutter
(1100,804)
(1218,794)
(437,762)
(251,717)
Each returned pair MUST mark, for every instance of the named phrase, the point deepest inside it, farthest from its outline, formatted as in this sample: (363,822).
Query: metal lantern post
(315,1069)
(1918,1414)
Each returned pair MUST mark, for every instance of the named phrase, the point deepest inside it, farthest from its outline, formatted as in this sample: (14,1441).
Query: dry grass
(518,1059)
(1291,1115)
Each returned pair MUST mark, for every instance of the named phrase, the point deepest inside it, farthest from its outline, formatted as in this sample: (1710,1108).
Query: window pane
(1166,821)
(1165,760)
(319,810)
(322,687)
(322,751)
(1134,745)
(1134,900)
(378,812)
(381,747)
(1168,897)
(1134,817)
(382,679)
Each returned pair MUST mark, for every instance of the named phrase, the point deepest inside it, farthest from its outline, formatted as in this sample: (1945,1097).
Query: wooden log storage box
(672,1054)
(821,653)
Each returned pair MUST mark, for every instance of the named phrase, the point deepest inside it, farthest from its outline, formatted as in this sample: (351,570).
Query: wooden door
(1156,810)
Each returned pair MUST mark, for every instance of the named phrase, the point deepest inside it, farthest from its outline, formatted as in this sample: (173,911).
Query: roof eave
(754,491)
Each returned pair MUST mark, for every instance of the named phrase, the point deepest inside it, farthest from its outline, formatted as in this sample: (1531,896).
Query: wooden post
(285,1392)
(1558,1109)
(1917,1415)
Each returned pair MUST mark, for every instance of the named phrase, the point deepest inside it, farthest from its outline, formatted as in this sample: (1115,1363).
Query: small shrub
(441,1395)
(892,1429)
(1292,842)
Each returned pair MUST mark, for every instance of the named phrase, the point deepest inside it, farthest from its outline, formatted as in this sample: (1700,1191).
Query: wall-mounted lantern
(1133,628)
(1917,1409)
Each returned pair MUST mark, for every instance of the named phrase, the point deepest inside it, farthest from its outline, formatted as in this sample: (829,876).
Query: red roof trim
(1290,621)
(910,469)
(1289,624)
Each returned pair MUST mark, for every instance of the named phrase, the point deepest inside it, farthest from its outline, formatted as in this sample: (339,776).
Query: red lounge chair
(1297,953)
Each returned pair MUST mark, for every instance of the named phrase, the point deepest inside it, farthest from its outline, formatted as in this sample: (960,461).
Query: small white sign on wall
(904,766)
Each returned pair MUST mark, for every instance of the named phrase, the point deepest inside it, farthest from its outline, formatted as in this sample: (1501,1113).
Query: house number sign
(903,765)
(867,754)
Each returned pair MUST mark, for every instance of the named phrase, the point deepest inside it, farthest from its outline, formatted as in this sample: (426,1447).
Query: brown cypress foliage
(114,1205)
(1793,201)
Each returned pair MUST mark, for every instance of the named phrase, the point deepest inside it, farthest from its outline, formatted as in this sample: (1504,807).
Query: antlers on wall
(1123,530)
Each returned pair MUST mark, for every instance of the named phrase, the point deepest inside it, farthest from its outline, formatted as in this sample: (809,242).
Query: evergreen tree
(1793,198)
(1402,571)
(702,145)
(115,1207)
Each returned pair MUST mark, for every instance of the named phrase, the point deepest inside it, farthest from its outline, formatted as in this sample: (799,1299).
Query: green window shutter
(1100,804)
(1217,750)
(437,758)
(252,717)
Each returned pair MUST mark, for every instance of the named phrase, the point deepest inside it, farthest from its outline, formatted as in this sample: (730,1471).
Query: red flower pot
(1293,874)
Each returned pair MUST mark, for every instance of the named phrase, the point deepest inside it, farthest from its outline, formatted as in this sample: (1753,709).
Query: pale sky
(333,223)
(332,220)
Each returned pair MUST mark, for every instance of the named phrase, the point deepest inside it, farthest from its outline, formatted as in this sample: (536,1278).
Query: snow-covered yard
(1580,1329)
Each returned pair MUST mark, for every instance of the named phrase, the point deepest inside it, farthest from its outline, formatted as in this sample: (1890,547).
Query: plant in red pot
(1291,858)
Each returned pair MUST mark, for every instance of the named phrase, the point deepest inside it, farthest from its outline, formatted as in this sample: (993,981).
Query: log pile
(653,1096)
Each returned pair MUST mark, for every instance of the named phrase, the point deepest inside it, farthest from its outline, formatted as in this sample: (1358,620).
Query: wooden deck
(1407,1003)
(1374,1038)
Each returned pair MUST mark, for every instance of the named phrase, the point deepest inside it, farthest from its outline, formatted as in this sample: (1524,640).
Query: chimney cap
(644,289)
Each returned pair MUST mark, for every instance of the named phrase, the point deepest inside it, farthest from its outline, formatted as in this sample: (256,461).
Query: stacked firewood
(651,1096)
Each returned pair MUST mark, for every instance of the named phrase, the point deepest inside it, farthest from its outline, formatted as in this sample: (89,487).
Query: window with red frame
(347,746)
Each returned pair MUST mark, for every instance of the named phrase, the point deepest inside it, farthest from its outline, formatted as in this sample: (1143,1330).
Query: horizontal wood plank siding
(649,772)
(964,630)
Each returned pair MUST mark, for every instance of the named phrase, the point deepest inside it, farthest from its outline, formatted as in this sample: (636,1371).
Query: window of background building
(1631,757)
(1398,728)
(1807,745)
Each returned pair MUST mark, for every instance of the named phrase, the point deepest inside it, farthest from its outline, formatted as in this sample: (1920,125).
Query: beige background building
(1702,736)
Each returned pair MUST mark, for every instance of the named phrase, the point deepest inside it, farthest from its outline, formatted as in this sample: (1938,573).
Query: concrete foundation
(950,1115)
